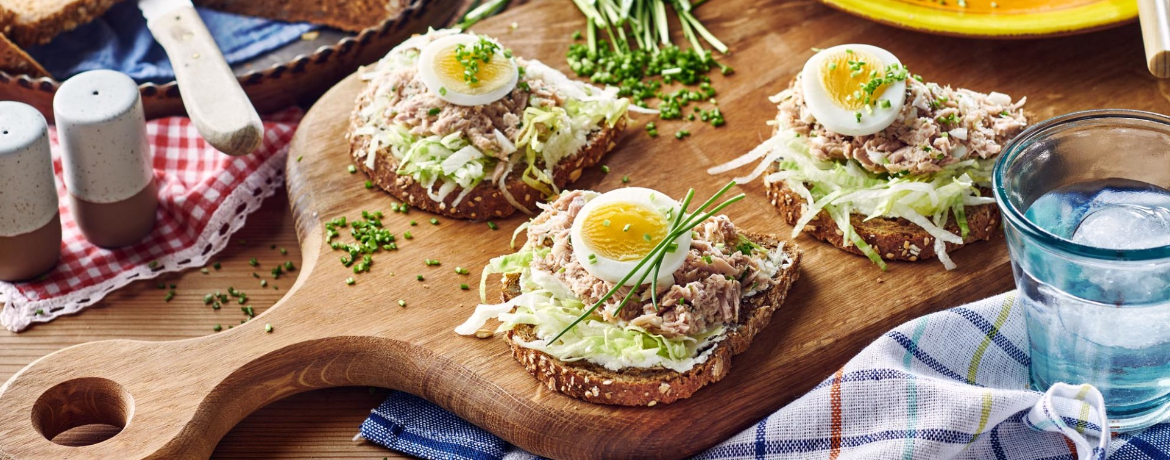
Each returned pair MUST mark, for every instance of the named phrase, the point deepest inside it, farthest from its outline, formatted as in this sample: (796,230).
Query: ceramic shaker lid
(28,192)
(102,131)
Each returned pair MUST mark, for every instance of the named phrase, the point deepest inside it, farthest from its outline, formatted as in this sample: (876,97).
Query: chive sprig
(680,225)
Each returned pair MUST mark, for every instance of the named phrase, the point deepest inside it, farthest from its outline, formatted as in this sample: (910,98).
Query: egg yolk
(618,231)
(844,73)
(491,74)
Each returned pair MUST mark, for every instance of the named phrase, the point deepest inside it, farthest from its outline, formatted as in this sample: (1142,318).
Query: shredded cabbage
(549,306)
(841,188)
(443,163)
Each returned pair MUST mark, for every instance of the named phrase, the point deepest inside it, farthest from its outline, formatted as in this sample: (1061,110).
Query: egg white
(843,120)
(614,270)
(430,77)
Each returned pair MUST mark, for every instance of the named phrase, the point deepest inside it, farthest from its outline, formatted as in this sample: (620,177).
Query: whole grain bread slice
(485,201)
(349,15)
(649,387)
(15,61)
(893,239)
(37,22)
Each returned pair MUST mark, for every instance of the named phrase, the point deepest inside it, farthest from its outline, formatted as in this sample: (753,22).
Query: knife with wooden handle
(1155,19)
(213,97)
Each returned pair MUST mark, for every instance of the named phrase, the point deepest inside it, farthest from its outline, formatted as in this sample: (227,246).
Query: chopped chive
(253,262)
(170,295)
(605,222)
(401,303)
(369,184)
(263,283)
(434,111)
(283,251)
(350,281)
(464,286)
(207,299)
(605,169)
(204,270)
(217,328)
(592,258)
(413,223)
(492,225)
(407,235)
(646,236)
(626,228)
(288,266)
(153,264)
(268,328)
(442,91)
(419,277)
(352,169)
(625,179)
(216,266)
(299,158)
(434,221)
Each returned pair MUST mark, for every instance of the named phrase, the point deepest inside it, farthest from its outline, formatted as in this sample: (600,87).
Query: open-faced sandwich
(452,123)
(878,162)
(623,298)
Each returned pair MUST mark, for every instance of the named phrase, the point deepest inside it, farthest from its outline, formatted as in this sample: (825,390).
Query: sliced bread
(649,387)
(15,61)
(893,239)
(349,15)
(38,21)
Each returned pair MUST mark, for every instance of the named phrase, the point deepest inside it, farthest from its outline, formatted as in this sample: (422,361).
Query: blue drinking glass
(1086,215)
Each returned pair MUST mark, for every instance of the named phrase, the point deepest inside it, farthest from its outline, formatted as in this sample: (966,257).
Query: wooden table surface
(317,424)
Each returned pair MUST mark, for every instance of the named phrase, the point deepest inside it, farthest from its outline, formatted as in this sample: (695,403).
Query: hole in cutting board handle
(83,402)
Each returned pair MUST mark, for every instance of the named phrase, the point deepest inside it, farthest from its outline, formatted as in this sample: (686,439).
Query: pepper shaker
(106,157)
(30,226)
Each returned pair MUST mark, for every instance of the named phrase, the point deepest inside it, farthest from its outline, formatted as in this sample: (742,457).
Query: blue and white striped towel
(951,385)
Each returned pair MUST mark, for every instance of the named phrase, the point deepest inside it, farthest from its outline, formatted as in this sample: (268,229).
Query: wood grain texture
(840,304)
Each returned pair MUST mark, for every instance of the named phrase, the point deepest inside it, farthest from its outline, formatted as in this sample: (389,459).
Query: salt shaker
(30,226)
(106,157)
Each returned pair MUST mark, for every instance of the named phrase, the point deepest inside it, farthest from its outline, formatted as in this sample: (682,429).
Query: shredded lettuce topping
(841,188)
(444,163)
(549,306)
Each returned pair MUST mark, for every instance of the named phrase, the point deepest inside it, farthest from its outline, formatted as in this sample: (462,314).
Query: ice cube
(1124,226)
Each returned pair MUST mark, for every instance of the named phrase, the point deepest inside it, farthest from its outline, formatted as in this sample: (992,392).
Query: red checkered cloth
(204,197)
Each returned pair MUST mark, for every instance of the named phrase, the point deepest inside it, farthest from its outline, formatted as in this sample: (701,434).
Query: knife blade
(212,95)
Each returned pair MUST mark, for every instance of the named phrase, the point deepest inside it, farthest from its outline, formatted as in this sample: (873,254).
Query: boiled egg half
(440,68)
(854,90)
(614,231)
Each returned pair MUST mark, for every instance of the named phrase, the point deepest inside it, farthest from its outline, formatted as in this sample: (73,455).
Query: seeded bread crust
(15,61)
(485,201)
(349,15)
(649,387)
(893,239)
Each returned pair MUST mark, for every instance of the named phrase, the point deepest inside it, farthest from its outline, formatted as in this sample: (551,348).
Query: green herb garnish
(679,226)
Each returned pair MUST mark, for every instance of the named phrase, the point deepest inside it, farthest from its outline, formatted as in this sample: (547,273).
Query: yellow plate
(994,18)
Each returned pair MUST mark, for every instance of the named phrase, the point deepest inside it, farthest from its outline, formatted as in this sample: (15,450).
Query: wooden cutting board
(177,399)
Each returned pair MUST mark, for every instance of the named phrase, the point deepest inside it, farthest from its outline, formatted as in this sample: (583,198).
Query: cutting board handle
(175,400)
